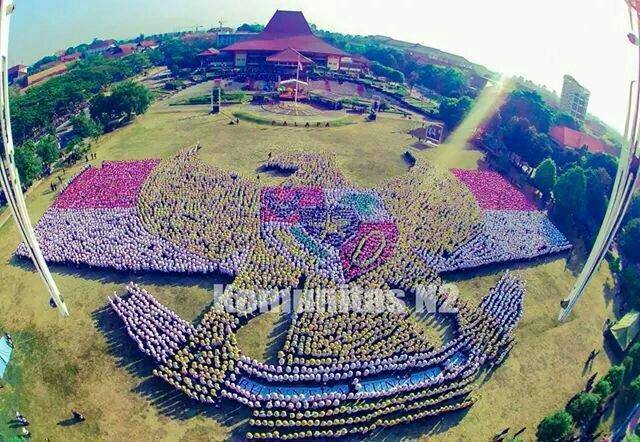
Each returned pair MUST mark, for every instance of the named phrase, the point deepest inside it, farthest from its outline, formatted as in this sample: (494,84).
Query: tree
(453,110)
(583,407)
(544,176)
(604,161)
(47,150)
(28,163)
(530,105)
(599,186)
(540,149)
(615,376)
(564,119)
(446,81)
(634,356)
(131,98)
(521,138)
(632,393)
(391,74)
(85,127)
(32,112)
(634,209)
(630,241)
(603,389)
(246,27)
(554,427)
(125,101)
(630,283)
(570,194)
(77,149)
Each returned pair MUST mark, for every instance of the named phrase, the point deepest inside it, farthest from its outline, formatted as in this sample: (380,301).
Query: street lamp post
(8,173)
(624,185)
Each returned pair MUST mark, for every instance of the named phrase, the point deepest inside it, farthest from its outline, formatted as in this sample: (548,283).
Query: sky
(541,40)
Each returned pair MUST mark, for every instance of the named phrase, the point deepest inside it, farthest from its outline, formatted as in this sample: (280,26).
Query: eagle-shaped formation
(355,358)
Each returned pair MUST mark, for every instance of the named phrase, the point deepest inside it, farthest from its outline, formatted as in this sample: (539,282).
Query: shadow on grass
(167,400)
(498,268)
(277,337)
(144,278)
(276,172)
(419,145)
(69,422)
(429,427)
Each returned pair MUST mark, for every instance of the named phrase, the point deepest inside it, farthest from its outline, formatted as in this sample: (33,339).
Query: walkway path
(379,385)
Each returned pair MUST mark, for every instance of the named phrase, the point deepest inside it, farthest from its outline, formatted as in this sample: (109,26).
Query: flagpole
(297,81)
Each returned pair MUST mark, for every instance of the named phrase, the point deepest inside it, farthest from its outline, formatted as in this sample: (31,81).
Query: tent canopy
(5,354)
(294,81)
(626,329)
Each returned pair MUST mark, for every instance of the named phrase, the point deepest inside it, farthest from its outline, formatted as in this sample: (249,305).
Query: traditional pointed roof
(286,29)
(289,55)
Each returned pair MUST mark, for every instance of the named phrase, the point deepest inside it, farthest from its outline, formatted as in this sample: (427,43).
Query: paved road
(628,425)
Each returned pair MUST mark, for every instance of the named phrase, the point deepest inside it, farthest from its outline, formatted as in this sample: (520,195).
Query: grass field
(86,362)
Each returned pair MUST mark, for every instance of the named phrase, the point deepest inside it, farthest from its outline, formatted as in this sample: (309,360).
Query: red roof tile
(100,44)
(211,52)
(148,43)
(122,51)
(287,29)
(289,55)
(568,137)
(71,57)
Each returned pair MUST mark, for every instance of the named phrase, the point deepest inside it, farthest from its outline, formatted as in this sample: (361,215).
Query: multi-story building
(574,99)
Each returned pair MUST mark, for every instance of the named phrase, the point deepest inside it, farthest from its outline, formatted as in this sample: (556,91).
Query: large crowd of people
(183,215)
(114,185)
(357,360)
(432,210)
(492,191)
(114,239)
(309,169)
(507,235)
(203,209)
(356,395)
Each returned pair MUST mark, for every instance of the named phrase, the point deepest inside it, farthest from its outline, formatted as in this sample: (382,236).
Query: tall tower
(574,99)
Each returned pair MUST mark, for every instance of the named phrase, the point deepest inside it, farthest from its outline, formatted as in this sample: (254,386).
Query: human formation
(341,395)
(355,359)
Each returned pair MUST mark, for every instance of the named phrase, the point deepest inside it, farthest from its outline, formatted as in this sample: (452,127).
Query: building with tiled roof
(573,139)
(289,57)
(122,51)
(69,58)
(287,30)
(101,46)
(148,45)
(46,74)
